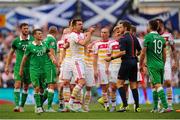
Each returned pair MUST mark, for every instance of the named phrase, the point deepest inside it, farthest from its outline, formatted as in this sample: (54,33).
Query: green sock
(41,97)
(50,98)
(155,99)
(37,99)
(16,96)
(23,99)
(162,96)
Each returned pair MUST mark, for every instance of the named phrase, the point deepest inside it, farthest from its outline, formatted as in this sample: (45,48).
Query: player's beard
(25,33)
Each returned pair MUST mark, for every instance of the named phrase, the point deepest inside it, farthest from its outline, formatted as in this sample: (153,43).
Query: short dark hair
(23,24)
(133,28)
(160,20)
(53,29)
(126,24)
(35,30)
(153,25)
(74,21)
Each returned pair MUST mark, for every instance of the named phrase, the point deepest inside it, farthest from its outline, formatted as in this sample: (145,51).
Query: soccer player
(77,41)
(114,66)
(171,61)
(50,68)
(155,51)
(141,76)
(128,70)
(19,46)
(66,72)
(101,70)
(90,81)
(36,52)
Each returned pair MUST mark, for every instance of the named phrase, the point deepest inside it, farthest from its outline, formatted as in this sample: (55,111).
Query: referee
(129,44)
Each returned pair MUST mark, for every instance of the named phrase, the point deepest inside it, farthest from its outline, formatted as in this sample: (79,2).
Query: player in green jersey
(155,51)
(18,47)
(36,52)
(50,68)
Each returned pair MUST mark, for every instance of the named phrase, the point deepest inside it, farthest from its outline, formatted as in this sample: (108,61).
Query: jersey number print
(157,46)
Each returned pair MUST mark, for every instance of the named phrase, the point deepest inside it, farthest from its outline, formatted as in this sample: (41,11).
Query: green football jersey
(19,46)
(155,44)
(51,43)
(36,54)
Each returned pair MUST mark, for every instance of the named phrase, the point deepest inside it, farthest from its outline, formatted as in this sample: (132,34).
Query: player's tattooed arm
(53,59)
(9,59)
(24,59)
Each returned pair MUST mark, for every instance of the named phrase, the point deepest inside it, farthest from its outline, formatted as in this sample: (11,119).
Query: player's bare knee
(113,87)
(88,88)
(120,83)
(37,89)
(51,86)
(17,85)
(82,82)
(157,86)
(133,85)
(167,83)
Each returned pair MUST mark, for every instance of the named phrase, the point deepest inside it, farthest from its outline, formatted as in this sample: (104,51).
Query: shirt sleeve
(14,44)
(146,39)
(52,44)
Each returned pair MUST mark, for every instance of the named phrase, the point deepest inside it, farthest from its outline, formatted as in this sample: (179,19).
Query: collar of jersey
(154,32)
(104,40)
(49,35)
(35,43)
(26,39)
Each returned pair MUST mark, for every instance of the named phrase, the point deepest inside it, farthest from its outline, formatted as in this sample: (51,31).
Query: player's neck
(76,31)
(24,37)
(37,42)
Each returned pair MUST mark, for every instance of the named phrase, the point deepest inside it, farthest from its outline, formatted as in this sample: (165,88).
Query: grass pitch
(97,112)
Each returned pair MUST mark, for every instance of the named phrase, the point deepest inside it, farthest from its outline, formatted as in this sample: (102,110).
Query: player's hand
(55,62)
(66,45)
(108,59)
(21,72)
(91,29)
(96,75)
(141,69)
(107,71)
(6,69)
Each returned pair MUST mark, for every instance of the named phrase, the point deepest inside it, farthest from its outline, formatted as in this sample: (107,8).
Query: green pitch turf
(97,112)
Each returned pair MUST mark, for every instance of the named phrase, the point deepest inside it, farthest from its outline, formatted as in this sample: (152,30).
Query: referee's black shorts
(128,70)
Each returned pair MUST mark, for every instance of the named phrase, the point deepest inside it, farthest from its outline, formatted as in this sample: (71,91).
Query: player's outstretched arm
(24,59)
(8,61)
(118,55)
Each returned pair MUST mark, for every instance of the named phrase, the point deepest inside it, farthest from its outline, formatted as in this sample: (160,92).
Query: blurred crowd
(7,37)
